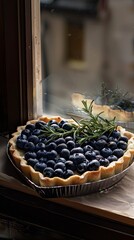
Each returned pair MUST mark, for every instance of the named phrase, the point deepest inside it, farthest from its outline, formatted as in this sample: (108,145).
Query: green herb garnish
(53,133)
(83,130)
(95,126)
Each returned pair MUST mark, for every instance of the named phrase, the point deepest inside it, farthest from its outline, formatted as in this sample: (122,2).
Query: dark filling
(64,156)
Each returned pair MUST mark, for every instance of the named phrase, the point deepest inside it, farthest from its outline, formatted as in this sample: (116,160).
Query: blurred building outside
(85,43)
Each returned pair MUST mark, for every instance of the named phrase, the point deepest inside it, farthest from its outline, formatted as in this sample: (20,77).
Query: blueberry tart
(59,152)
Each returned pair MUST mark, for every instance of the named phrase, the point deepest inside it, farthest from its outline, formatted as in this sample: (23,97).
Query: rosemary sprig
(52,133)
(84,130)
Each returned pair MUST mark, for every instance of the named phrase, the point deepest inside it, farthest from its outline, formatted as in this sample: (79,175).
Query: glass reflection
(87,52)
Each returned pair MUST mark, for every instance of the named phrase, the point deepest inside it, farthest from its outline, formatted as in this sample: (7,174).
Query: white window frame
(36,50)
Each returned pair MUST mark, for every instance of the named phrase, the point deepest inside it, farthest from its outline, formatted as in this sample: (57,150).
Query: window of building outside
(86,52)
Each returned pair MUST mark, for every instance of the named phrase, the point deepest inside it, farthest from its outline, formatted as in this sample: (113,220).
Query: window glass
(87,51)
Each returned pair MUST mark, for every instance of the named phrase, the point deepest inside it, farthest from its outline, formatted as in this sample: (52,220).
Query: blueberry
(40,124)
(68,173)
(70,144)
(40,146)
(87,148)
(112,139)
(36,132)
(59,172)
(104,162)
(81,168)
(112,158)
(104,137)
(98,157)
(92,143)
(29,146)
(78,158)
(76,150)
(51,155)
(48,172)
(90,155)
(43,139)
(32,161)
(67,126)
(121,144)
(30,126)
(97,152)
(105,152)
(20,143)
(40,166)
(93,165)
(60,141)
(70,165)
(60,165)
(34,139)
(22,136)
(55,126)
(65,153)
(123,138)
(26,132)
(30,155)
(52,121)
(61,159)
(62,122)
(118,152)
(68,138)
(51,163)
(112,145)
(43,159)
(41,153)
(51,146)
(101,143)
(71,157)
(116,134)
(60,147)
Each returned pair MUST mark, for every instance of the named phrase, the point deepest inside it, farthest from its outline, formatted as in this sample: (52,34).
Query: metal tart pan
(72,190)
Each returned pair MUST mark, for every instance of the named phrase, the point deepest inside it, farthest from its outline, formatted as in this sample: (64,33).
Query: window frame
(17,64)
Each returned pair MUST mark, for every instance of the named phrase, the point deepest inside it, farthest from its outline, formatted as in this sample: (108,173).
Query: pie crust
(89,176)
